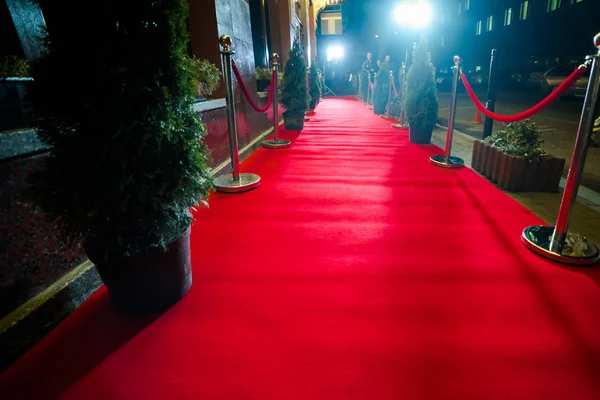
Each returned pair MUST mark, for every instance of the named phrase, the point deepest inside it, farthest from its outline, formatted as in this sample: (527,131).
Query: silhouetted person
(367,68)
(382,87)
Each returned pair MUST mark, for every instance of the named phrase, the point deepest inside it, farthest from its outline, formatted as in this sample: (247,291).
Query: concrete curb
(585,195)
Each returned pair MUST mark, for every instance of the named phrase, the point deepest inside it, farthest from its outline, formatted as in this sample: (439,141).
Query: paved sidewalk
(585,218)
(558,123)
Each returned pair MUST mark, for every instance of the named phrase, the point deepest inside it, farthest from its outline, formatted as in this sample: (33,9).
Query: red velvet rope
(247,93)
(552,97)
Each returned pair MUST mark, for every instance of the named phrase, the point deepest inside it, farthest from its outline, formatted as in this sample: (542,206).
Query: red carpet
(356,271)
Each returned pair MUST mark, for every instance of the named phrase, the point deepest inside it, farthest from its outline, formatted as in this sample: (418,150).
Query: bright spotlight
(417,15)
(335,53)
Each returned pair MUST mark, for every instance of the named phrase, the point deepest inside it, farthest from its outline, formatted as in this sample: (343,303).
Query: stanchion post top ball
(597,41)
(225,41)
(457,60)
(275,59)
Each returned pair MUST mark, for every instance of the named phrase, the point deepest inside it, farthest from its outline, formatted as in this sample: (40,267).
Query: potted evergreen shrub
(295,92)
(15,77)
(127,160)
(421,104)
(314,87)
(382,88)
(513,158)
(208,78)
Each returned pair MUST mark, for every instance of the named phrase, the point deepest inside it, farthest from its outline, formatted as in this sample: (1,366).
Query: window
(576,1)
(460,7)
(524,11)
(331,23)
(468,4)
(553,5)
(507,17)
(478,28)
(442,42)
(490,23)
(478,68)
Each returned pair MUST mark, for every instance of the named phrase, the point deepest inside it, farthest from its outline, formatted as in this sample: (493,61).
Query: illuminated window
(478,68)
(460,7)
(507,17)
(442,42)
(490,23)
(468,4)
(553,5)
(331,24)
(576,1)
(478,28)
(524,11)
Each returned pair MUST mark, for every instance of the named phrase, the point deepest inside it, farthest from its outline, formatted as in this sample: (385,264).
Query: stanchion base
(452,162)
(577,250)
(226,184)
(306,118)
(277,144)
(400,126)
(388,118)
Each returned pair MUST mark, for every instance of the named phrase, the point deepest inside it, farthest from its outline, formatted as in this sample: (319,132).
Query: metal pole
(491,96)
(401,124)
(372,90)
(235,182)
(276,143)
(275,67)
(404,71)
(369,92)
(452,116)
(227,53)
(389,102)
(446,160)
(263,17)
(556,242)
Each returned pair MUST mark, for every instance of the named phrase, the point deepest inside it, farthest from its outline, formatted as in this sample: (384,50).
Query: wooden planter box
(515,173)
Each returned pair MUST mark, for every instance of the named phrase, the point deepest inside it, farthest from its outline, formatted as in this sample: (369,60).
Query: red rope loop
(247,93)
(552,97)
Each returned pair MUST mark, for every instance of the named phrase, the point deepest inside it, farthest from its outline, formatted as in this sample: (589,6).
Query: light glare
(335,52)
(417,15)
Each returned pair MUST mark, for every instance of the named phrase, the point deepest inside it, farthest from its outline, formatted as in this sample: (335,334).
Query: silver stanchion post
(389,102)
(370,91)
(373,92)
(276,143)
(446,160)
(401,124)
(556,242)
(235,182)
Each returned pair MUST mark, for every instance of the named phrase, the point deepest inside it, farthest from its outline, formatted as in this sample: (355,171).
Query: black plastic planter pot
(15,112)
(150,282)
(293,122)
(420,134)
(262,85)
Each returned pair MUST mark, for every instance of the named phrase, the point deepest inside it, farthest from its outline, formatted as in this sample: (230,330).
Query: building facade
(524,32)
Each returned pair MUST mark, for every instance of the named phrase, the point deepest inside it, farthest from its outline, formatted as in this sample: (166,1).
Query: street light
(335,53)
(414,14)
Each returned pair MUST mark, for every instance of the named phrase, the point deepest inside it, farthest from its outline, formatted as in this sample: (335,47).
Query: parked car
(557,75)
